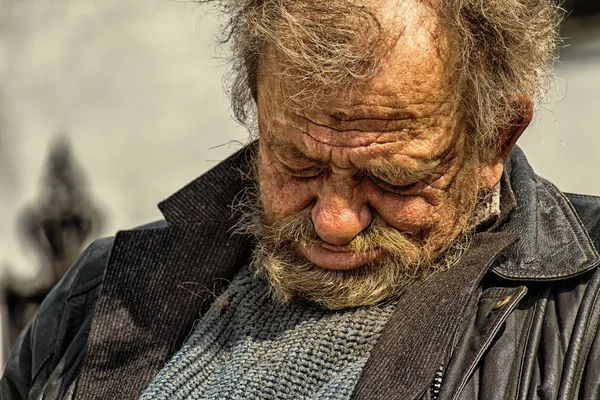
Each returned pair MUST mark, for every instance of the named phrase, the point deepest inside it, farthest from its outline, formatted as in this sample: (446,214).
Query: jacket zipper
(436,385)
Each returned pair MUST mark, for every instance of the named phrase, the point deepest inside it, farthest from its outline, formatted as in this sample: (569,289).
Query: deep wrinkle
(398,181)
(402,121)
(395,174)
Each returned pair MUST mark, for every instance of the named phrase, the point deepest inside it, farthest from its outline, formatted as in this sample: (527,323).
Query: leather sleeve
(590,371)
(588,210)
(17,372)
(48,349)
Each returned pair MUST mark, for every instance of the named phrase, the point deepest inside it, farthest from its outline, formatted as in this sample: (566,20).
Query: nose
(339,215)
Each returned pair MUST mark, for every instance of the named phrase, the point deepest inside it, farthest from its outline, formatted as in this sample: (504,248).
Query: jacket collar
(553,242)
(210,196)
(156,280)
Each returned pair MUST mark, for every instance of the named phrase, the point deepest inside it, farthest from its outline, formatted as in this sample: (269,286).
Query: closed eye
(303,173)
(396,189)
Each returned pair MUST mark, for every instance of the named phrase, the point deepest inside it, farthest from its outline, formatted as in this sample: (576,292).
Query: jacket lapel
(481,325)
(553,244)
(158,281)
(418,338)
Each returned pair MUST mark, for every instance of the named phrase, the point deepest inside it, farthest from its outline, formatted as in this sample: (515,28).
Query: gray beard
(291,276)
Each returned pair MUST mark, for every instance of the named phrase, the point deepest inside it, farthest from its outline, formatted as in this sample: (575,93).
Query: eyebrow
(400,173)
(359,115)
(290,150)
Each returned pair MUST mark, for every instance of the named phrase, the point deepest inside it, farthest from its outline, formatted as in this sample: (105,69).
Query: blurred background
(106,108)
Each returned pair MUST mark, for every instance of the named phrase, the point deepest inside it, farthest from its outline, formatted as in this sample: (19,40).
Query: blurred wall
(563,143)
(136,86)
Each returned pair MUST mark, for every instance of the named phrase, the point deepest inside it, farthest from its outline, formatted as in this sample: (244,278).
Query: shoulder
(588,210)
(88,271)
(588,340)
(84,277)
(59,323)
(49,348)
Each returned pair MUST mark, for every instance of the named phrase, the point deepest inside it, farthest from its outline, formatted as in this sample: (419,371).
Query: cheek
(430,212)
(437,210)
(411,214)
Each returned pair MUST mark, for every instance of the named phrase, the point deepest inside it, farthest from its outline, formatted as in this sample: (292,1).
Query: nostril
(334,238)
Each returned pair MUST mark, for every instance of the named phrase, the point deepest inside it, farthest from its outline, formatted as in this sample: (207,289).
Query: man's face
(390,155)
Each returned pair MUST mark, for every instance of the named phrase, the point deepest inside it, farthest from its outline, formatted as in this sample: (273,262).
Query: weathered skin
(329,158)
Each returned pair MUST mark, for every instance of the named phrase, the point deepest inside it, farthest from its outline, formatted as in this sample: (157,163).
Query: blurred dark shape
(578,8)
(57,226)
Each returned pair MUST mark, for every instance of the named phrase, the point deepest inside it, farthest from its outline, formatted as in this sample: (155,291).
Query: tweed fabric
(249,347)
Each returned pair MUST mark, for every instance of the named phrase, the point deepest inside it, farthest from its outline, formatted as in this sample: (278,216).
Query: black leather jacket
(516,319)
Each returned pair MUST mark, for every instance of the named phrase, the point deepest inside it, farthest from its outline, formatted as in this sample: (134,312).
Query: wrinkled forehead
(412,64)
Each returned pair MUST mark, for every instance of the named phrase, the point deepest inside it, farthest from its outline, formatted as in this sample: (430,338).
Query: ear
(490,175)
(512,133)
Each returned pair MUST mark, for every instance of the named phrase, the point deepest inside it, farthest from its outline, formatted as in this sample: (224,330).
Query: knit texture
(249,347)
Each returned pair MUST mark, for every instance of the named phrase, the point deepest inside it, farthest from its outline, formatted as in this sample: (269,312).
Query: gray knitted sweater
(249,347)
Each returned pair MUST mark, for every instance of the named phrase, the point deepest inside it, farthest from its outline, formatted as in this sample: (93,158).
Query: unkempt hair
(504,50)
(500,50)
(325,45)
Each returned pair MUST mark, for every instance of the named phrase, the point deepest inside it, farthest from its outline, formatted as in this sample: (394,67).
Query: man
(386,240)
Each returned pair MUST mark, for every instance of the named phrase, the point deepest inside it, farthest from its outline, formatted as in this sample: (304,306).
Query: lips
(336,257)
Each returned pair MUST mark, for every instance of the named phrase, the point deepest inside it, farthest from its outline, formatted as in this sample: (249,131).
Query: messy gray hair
(504,49)
(499,50)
